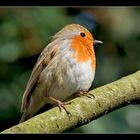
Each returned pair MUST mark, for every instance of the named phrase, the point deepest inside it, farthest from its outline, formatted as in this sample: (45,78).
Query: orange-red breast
(66,66)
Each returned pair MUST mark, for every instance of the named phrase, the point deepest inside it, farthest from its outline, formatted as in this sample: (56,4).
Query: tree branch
(83,109)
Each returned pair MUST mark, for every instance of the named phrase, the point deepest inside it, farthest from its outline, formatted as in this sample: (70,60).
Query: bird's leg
(60,104)
(84,93)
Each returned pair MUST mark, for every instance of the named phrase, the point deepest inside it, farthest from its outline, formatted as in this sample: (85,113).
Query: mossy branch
(83,109)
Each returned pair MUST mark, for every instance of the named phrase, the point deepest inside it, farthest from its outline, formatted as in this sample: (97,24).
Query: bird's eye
(83,34)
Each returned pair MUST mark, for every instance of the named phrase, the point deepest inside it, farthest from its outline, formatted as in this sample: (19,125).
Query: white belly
(78,77)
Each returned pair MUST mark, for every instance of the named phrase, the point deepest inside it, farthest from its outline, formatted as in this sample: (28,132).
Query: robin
(65,67)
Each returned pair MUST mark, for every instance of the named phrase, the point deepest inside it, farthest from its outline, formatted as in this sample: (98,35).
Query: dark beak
(97,41)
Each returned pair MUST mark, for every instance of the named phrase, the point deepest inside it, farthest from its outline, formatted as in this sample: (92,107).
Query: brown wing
(47,54)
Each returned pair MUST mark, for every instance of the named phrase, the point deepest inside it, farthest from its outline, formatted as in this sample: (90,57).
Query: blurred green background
(24,32)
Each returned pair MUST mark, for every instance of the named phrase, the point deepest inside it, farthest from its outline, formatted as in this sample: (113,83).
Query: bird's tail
(25,116)
(32,108)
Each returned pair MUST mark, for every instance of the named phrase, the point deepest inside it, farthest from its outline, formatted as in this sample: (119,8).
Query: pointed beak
(97,41)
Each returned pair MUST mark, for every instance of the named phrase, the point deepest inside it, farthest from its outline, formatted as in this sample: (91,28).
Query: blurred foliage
(24,32)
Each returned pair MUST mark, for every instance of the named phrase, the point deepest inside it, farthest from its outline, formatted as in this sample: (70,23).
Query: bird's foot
(61,105)
(84,93)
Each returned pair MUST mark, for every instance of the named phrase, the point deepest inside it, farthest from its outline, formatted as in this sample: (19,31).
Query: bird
(65,67)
